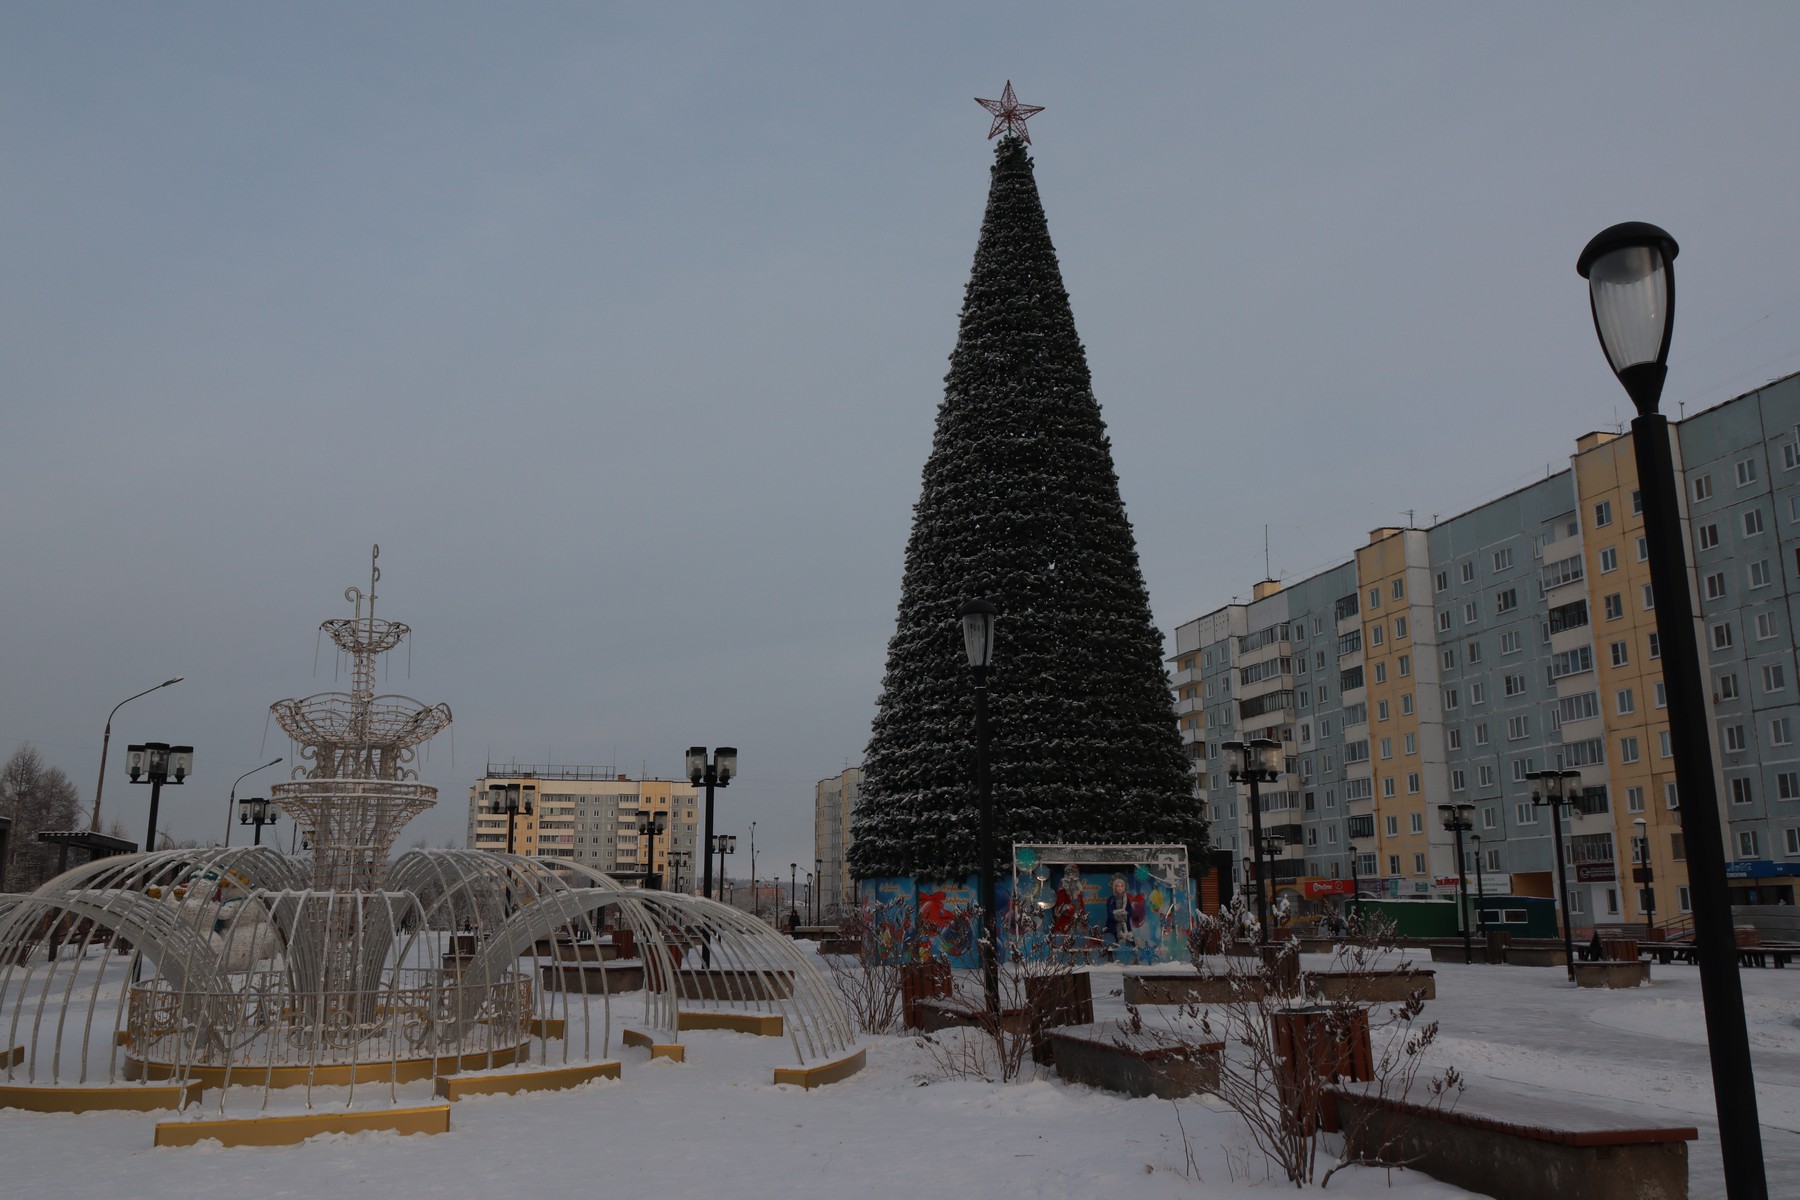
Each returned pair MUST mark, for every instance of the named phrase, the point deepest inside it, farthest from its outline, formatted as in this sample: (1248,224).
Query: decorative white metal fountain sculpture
(261,971)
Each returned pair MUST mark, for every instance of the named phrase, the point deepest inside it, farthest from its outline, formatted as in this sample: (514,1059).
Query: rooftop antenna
(1409,517)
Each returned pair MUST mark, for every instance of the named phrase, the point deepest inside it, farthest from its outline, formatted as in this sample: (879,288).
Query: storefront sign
(1314,888)
(1759,868)
(1595,873)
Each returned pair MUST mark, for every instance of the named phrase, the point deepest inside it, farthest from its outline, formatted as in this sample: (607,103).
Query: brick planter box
(1606,974)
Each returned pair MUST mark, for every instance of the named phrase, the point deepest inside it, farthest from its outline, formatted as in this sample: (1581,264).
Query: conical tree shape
(1020,506)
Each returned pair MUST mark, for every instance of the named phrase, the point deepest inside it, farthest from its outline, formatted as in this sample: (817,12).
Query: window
(1444,621)
(1472,652)
(1621,654)
(1405,665)
(1634,799)
(1790,456)
(1787,785)
(1490,816)
(1525,813)
(1734,738)
(1721,636)
(1394,867)
(1521,768)
(1649,597)
(1451,699)
(1380,672)
(1643,549)
(1381,710)
(1774,678)
(1765,626)
(1746,472)
(1753,522)
(1515,685)
(1493,860)
(1481,734)
(1609,560)
(1715,586)
(1781,732)
(1579,707)
(1374,597)
(1671,798)
(1418,864)
(1637,501)
(1759,573)
(1471,613)
(1484,775)
(1728,686)
(1615,607)
(1709,536)
(1406,706)
(1443,581)
(1792,837)
(1503,559)
(1742,792)
(1458,781)
(1603,514)
(1509,642)
(1624,702)
(1468,572)
(1703,487)
(1416,822)
(1399,627)
(1410,744)
(1377,635)
(1518,728)
(1507,601)
(1660,694)
(1572,662)
(1387,747)
(1746,843)
(1454,739)
(1628,749)
(1399,589)
(1387,788)
(1683,899)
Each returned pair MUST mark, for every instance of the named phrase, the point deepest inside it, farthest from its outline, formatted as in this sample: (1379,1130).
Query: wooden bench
(1191,987)
(1371,987)
(1517,1145)
(1146,1063)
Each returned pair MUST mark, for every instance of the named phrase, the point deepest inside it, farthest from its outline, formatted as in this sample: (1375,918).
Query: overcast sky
(622,329)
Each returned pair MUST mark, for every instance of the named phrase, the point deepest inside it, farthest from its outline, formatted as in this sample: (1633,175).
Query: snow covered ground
(716,1126)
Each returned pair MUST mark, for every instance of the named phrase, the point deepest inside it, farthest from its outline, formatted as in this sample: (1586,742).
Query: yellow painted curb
(672,1051)
(761,1024)
(824,1073)
(549,1028)
(137,1098)
(406,1070)
(288,1131)
(554,1080)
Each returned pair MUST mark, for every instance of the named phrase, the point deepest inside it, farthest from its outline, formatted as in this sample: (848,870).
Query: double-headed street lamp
(156,763)
(1630,269)
(1555,796)
(257,811)
(1480,886)
(1460,819)
(1259,760)
(723,844)
(649,825)
(794,894)
(978,618)
(106,739)
(677,860)
(716,773)
(1642,874)
(231,800)
(511,799)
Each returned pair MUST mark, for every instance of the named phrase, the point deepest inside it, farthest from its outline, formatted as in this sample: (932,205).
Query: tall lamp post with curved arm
(231,803)
(106,737)
(1630,269)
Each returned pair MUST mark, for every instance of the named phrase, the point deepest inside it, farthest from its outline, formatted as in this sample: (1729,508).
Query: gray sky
(623,328)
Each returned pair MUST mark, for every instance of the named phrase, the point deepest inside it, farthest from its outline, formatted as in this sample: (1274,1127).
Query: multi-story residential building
(1521,636)
(833,801)
(589,815)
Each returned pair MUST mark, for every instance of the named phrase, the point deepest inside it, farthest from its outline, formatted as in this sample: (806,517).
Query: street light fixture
(1480,888)
(649,825)
(1555,796)
(1259,763)
(157,763)
(1644,876)
(818,890)
(717,773)
(106,738)
(723,844)
(978,620)
(257,811)
(1630,269)
(511,799)
(1460,819)
(231,800)
(793,894)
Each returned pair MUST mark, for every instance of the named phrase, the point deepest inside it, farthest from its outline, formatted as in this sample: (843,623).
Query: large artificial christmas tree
(1020,506)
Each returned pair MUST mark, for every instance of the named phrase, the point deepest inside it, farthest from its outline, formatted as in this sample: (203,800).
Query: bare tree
(38,798)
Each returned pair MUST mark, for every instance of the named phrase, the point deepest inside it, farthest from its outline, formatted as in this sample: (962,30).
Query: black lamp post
(716,773)
(818,890)
(978,618)
(1643,875)
(511,799)
(1480,887)
(811,918)
(1555,796)
(793,894)
(257,811)
(1460,819)
(1630,269)
(1256,766)
(106,739)
(723,844)
(677,860)
(231,800)
(157,763)
(649,825)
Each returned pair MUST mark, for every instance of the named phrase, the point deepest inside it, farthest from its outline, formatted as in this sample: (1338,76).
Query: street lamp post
(511,799)
(231,800)
(717,773)
(811,907)
(723,844)
(1555,796)
(755,896)
(106,738)
(1460,819)
(818,890)
(1480,886)
(649,825)
(978,619)
(1630,269)
(1644,875)
(256,811)
(157,763)
(1256,766)
(793,895)
(677,860)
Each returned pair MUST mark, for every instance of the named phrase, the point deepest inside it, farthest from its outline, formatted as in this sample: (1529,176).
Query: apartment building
(833,801)
(590,816)
(1445,665)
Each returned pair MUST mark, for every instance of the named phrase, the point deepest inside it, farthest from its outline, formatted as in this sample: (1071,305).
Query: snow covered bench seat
(1145,1063)
(1519,1144)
